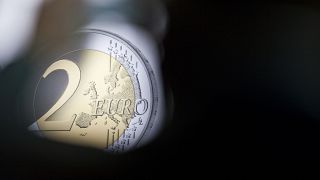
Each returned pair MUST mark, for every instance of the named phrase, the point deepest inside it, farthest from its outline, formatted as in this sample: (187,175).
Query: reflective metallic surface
(110,96)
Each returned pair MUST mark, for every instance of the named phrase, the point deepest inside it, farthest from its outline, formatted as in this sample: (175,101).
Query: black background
(244,78)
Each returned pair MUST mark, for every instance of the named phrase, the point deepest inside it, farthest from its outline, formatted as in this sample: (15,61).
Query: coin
(105,96)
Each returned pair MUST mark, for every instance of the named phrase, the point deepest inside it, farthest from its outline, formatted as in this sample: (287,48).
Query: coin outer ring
(145,64)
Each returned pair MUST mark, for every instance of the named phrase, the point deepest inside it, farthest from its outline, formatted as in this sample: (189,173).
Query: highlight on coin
(103,94)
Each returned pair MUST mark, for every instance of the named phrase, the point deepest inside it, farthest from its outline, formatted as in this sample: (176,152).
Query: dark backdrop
(244,77)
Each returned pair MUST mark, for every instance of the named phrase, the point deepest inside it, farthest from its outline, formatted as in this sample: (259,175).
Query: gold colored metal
(97,105)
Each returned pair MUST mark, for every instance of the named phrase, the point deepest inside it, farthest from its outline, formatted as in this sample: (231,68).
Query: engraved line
(108,139)
(112,138)
(110,61)
(118,136)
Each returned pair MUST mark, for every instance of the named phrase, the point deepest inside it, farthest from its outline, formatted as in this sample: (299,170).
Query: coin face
(102,94)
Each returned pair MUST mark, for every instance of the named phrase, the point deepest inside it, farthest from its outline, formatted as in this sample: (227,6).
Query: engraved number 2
(73,73)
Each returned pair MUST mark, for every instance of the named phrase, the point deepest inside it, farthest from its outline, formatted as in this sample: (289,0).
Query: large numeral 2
(74,75)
